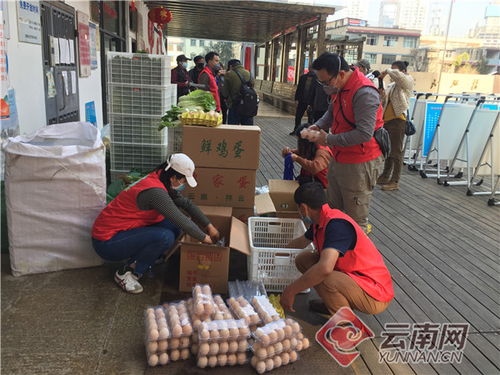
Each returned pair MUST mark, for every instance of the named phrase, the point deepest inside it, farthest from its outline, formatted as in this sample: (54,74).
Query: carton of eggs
(178,318)
(276,331)
(244,310)
(265,309)
(156,324)
(223,330)
(262,352)
(269,364)
(222,312)
(203,302)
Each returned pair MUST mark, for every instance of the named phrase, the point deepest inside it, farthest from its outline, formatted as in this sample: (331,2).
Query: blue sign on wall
(432,112)
(90,113)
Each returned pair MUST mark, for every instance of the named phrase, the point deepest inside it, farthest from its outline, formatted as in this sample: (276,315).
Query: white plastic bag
(55,185)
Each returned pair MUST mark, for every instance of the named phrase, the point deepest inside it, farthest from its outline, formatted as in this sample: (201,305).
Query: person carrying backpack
(242,99)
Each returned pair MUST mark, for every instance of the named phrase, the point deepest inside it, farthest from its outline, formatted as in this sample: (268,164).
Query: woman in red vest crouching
(346,269)
(143,222)
(312,158)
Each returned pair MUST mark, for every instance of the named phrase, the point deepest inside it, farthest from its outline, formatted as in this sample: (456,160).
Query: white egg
(204,334)
(281,334)
(233,347)
(153,334)
(214,335)
(269,364)
(223,347)
(286,345)
(277,361)
(163,359)
(244,332)
(202,362)
(288,331)
(212,361)
(153,360)
(261,367)
(265,339)
(270,351)
(232,359)
(213,349)
(285,358)
(242,345)
(222,359)
(177,330)
(293,342)
(261,353)
(204,349)
(278,347)
(273,336)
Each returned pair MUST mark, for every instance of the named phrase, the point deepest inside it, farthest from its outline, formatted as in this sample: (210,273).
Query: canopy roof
(244,21)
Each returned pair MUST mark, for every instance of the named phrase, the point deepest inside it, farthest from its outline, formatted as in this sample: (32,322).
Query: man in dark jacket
(199,64)
(231,90)
(319,101)
(180,76)
(303,97)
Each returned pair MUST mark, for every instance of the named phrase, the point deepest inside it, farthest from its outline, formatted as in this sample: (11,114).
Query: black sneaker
(292,133)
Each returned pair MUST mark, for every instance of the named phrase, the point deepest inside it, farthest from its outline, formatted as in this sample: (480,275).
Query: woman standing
(143,222)
(396,102)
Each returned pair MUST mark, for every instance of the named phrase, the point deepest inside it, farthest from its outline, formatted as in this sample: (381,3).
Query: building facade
(382,46)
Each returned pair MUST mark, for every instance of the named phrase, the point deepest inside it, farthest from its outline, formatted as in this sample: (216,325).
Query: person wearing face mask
(180,76)
(199,64)
(208,77)
(396,101)
(346,269)
(143,222)
(353,117)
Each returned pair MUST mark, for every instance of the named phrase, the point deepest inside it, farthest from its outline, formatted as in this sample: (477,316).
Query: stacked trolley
(139,93)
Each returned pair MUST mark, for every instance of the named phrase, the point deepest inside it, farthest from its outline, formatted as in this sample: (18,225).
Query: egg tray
(269,364)
(276,331)
(265,309)
(222,360)
(156,324)
(224,347)
(165,357)
(287,345)
(222,311)
(203,302)
(246,288)
(223,330)
(169,344)
(242,309)
(178,319)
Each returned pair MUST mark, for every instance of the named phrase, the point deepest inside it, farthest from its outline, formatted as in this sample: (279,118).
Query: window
(372,40)
(390,41)
(410,42)
(202,43)
(371,57)
(193,42)
(388,59)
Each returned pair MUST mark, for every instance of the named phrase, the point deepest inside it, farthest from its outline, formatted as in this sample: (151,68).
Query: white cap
(182,164)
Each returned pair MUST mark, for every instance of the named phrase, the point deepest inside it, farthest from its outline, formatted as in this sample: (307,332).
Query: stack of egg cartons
(181,330)
(219,340)
(157,335)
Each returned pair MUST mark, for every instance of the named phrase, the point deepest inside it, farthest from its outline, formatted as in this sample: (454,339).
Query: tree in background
(224,49)
(419,59)
(461,64)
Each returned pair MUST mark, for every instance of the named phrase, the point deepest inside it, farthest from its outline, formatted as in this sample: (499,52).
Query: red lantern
(160,15)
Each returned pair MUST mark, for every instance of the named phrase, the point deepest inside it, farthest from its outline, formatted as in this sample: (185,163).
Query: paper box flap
(264,204)
(282,193)
(283,186)
(216,211)
(239,240)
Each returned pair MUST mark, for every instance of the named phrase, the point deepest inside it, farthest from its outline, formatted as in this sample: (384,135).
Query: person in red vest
(208,79)
(143,222)
(312,158)
(354,118)
(346,269)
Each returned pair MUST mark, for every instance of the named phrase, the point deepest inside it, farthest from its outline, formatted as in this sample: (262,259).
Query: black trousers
(299,113)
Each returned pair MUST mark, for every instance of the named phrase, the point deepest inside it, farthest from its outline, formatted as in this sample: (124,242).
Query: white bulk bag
(55,185)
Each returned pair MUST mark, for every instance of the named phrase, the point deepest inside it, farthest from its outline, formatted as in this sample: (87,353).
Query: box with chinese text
(225,146)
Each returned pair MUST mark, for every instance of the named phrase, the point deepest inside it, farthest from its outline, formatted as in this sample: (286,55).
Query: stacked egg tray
(265,309)
(276,344)
(168,333)
(242,309)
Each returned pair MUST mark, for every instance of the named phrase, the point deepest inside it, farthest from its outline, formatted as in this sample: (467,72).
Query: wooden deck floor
(442,249)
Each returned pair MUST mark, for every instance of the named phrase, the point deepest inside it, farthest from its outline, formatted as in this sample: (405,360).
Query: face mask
(217,67)
(184,64)
(180,188)
(329,90)
(307,220)
(200,65)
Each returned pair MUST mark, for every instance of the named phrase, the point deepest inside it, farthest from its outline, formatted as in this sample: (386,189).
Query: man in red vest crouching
(351,126)
(346,269)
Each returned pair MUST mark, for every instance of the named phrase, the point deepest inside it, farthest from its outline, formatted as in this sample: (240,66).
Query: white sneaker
(128,282)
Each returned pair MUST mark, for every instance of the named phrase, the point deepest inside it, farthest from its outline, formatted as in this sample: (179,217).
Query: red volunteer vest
(365,151)
(322,176)
(123,214)
(214,89)
(364,264)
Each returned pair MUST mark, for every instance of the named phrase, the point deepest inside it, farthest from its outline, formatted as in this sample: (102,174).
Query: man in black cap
(180,76)
(199,64)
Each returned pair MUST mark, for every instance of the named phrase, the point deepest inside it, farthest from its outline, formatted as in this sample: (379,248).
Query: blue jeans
(234,118)
(140,245)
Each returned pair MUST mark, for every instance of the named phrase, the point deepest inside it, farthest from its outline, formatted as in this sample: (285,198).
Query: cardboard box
(226,146)
(279,201)
(223,187)
(243,214)
(209,264)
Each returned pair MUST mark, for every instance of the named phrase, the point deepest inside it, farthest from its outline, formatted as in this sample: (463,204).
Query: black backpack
(247,102)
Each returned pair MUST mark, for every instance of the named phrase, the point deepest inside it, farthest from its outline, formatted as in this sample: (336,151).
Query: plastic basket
(137,157)
(174,139)
(139,99)
(138,68)
(270,261)
(136,129)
